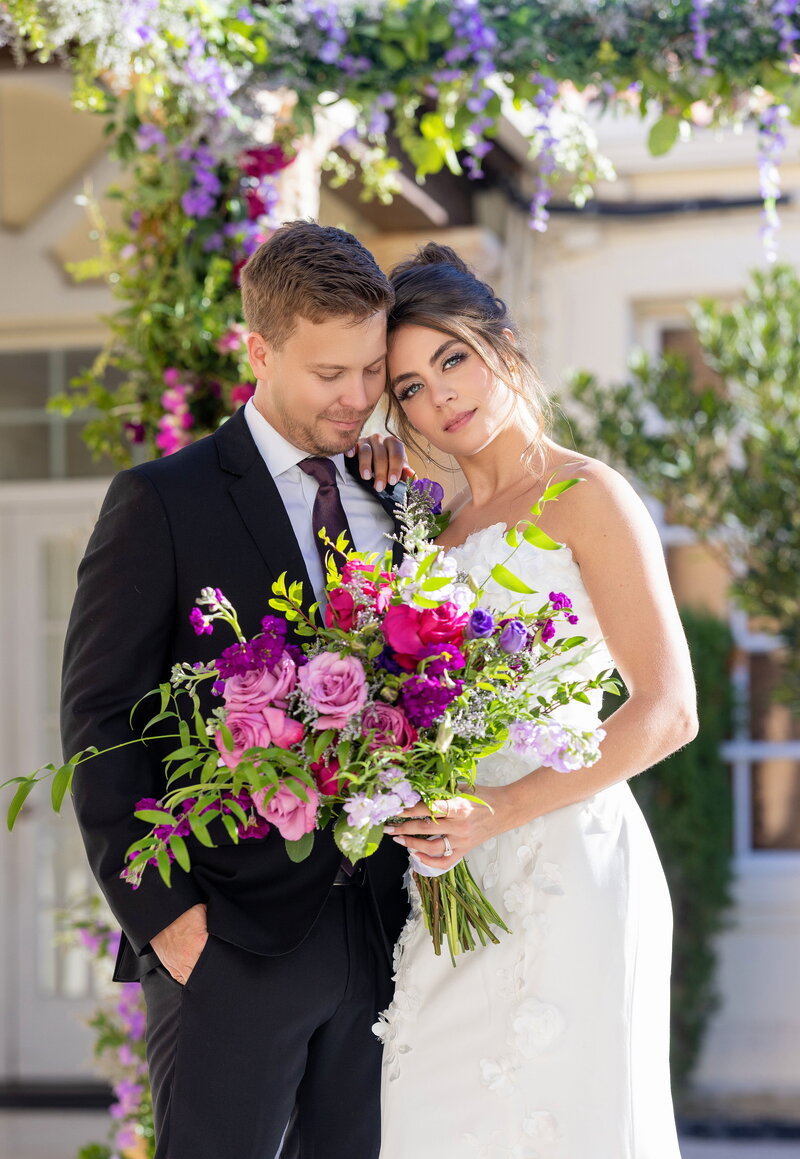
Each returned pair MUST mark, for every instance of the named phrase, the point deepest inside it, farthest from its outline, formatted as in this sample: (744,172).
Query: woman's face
(448,393)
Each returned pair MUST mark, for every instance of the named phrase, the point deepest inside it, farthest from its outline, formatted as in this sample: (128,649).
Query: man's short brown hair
(312,271)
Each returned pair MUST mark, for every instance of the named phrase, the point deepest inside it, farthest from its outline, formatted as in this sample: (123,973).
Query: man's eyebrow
(437,354)
(336,366)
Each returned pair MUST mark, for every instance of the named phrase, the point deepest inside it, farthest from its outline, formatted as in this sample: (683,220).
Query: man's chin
(336,439)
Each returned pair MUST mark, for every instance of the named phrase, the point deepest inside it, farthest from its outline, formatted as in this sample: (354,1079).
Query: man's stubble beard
(307,437)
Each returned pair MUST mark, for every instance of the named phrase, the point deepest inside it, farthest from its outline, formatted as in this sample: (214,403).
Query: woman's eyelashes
(448,363)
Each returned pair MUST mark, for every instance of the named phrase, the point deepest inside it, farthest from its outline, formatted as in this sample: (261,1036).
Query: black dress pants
(250,1039)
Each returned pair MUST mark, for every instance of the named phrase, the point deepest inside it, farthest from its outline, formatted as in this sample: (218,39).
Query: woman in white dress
(554,1043)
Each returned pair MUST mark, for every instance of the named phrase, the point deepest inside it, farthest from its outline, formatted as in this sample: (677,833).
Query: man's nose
(356,395)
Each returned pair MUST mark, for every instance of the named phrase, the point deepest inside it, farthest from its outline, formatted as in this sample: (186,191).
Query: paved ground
(59,1135)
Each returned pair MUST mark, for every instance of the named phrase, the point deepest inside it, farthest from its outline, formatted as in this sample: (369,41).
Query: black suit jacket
(209,515)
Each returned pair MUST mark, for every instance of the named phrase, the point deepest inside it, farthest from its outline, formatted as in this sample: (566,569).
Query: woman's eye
(409,391)
(454,359)
(328,377)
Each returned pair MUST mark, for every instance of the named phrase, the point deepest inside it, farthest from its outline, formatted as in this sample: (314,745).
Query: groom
(262,978)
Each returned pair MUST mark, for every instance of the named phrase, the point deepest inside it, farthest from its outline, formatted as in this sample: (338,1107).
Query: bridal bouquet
(411,680)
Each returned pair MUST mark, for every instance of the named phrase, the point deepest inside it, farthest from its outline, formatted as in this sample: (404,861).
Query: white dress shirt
(367,518)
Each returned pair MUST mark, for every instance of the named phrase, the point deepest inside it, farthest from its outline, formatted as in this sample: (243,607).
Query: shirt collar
(277,452)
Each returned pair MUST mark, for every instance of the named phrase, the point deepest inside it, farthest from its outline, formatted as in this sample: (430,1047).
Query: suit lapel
(259,504)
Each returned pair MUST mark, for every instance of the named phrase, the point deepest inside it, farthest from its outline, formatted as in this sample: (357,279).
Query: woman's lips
(459,421)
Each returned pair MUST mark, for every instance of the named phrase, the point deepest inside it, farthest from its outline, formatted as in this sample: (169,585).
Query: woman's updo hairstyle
(438,290)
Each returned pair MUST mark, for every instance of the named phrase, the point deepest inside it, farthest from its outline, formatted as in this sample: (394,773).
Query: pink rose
(335,686)
(270,726)
(290,814)
(390,725)
(410,630)
(326,774)
(261,686)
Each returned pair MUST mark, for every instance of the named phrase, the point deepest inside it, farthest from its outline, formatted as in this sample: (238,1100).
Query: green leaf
(557,489)
(178,847)
(507,579)
(230,825)
(155,816)
(18,800)
(200,830)
(164,867)
(300,849)
(664,134)
(321,743)
(62,781)
(534,535)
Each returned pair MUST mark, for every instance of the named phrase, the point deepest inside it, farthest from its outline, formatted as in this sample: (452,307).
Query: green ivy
(688,804)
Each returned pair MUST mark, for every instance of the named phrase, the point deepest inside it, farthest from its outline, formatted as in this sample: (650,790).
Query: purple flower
(385,660)
(560,601)
(426,700)
(201,624)
(547,629)
(481,625)
(447,656)
(235,661)
(513,637)
(149,137)
(573,619)
(433,490)
(197,203)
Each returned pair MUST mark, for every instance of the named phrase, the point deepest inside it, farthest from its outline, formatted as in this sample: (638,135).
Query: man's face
(322,385)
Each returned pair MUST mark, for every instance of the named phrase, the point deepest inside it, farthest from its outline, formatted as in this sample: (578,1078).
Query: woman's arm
(622,565)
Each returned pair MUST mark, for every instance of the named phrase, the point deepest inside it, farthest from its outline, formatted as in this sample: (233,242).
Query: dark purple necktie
(329,513)
(328,510)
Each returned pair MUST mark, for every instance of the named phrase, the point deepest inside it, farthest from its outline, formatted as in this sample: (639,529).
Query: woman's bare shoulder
(602,501)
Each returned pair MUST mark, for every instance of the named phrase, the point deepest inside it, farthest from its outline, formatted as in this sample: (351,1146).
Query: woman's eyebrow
(437,354)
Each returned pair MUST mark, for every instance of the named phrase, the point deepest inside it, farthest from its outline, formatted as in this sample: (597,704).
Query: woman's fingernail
(379,484)
(392,480)
(399,840)
(391,832)
(365,474)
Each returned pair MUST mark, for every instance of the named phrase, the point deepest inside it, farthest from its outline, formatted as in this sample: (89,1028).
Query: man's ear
(259,354)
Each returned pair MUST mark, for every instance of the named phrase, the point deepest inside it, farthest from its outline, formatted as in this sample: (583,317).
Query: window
(35,443)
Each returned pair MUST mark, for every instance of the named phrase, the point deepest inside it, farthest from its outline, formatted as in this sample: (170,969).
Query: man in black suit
(262,977)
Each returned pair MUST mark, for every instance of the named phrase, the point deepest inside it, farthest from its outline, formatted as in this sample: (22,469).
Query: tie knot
(321,469)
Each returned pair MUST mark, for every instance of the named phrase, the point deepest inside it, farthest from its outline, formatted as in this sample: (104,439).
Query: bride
(554,1043)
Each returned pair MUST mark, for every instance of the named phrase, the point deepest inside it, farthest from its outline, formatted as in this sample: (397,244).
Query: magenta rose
(390,725)
(326,774)
(270,726)
(340,609)
(261,686)
(335,686)
(343,605)
(409,630)
(290,814)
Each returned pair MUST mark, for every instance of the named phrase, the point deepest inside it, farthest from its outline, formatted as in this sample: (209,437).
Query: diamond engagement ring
(448,848)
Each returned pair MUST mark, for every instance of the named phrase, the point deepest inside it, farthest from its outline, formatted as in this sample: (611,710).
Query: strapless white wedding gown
(554,1043)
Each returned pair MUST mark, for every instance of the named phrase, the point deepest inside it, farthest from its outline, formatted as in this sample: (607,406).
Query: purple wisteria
(697,22)
(546,144)
(783,12)
(475,44)
(771,145)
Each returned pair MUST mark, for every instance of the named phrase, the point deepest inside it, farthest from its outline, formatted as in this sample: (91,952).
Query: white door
(46,987)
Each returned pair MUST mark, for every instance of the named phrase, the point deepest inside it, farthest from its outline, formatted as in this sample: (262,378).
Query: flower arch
(210,105)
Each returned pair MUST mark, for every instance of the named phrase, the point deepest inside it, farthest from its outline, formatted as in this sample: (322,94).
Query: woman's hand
(381,458)
(441,834)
